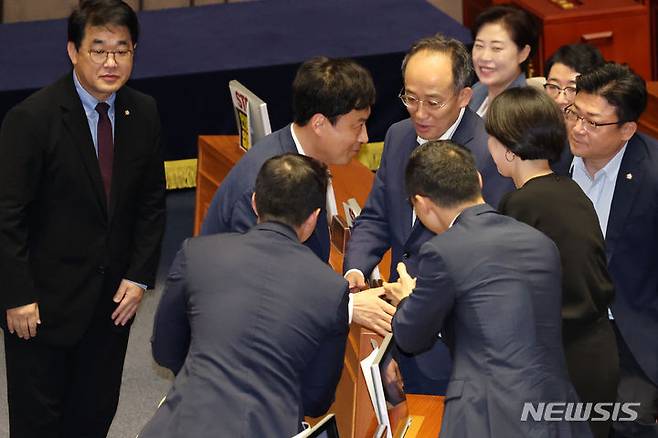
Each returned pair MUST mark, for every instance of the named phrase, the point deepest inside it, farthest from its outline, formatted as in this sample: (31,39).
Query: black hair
(620,86)
(528,122)
(462,65)
(578,57)
(443,171)
(521,26)
(331,87)
(289,188)
(101,13)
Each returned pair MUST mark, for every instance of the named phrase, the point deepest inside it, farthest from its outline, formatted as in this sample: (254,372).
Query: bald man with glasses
(436,73)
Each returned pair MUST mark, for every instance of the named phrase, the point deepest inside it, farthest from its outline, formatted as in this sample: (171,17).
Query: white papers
(366,365)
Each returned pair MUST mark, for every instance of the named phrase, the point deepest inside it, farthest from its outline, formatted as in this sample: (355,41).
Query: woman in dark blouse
(526,131)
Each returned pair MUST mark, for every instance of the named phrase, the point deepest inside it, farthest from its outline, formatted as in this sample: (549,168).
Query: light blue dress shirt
(599,189)
(89,103)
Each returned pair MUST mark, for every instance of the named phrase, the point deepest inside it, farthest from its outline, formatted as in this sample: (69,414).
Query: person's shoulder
(131,96)
(401,128)
(45,99)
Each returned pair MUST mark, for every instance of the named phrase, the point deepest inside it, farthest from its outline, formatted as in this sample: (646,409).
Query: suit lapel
(464,132)
(321,232)
(75,121)
(408,145)
(629,182)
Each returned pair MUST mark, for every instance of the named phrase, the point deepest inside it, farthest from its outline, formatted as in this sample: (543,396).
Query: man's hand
(371,312)
(129,295)
(355,281)
(23,320)
(402,288)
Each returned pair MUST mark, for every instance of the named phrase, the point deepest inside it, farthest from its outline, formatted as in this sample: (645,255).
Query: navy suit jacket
(385,222)
(632,251)
(250,361)
(481,91)
(495,283)
(230,209)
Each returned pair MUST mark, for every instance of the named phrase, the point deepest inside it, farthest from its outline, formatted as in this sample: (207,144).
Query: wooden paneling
(614,26)
(472,8)
(649,120)
(654,38)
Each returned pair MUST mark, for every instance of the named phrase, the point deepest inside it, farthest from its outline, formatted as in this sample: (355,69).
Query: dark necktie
(105,147)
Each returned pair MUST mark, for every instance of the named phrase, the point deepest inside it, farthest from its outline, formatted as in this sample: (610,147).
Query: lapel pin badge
(127,112)
(629,176)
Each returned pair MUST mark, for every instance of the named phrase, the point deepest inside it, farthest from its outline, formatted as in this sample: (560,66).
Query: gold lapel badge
(127,112)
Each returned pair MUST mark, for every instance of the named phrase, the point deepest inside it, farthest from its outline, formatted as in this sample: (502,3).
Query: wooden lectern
(354,412)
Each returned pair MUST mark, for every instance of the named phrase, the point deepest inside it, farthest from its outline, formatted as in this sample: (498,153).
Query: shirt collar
(89,102)
(449,132)
(610,170)
(298,145)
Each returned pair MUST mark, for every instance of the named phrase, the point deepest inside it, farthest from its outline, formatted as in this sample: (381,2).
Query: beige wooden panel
(150,5)
(28,10)
(207,2)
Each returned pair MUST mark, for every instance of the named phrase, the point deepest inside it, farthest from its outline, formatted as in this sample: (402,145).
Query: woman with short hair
(526,130)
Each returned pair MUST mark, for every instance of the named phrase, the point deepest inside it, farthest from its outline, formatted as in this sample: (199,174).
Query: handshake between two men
(374,307)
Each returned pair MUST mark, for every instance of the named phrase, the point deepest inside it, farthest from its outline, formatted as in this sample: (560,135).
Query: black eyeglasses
(573,117)
(99,56)
(555,90)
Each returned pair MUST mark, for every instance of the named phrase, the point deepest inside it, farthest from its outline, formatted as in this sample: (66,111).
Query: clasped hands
(370,310)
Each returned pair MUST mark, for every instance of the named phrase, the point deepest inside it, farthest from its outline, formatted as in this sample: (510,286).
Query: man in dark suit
(436,72)
(492,285)
(331,103)
(618,169)
(82,215)
(250,360)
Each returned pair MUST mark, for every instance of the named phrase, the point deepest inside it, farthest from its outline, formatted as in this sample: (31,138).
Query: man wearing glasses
(82,214)
(436,72)
(617,168)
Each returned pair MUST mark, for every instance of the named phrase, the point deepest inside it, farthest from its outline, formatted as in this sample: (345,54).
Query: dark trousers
(635,387)
(65,392)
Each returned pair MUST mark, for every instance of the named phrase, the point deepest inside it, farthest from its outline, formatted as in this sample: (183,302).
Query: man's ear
(308,226)
(72,51)
(480,179)
(464,97)
(420,203)
(317,122)
(253,204)
(628,129)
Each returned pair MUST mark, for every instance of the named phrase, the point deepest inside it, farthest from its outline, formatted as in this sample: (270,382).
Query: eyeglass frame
(402,95)
(108,53)
(559,90)
(588,123)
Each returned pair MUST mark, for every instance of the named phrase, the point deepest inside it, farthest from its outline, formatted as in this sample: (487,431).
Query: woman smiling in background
(504,38)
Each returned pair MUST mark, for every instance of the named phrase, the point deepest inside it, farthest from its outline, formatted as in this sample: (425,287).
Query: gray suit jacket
(494,284)
(480,92)
(255,326)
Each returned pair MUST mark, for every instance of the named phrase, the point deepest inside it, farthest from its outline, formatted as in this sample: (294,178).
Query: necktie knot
(102,108)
